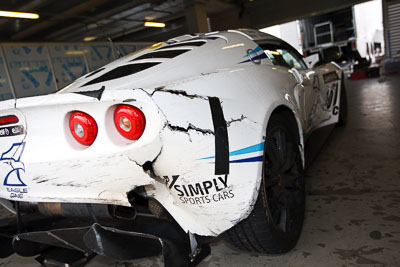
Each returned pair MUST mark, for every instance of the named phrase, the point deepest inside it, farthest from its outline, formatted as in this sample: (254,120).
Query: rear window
(283,55)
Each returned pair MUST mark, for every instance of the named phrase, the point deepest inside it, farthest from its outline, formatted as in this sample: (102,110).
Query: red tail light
(83,127)
(8,120)
(130,121)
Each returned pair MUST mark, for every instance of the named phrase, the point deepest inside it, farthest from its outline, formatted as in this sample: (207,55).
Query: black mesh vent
(199,43)
(94,72)
(162,54)
(122,71)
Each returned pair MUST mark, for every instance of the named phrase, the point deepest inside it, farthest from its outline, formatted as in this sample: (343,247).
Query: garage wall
(369,25)
(37,69)
(267,13)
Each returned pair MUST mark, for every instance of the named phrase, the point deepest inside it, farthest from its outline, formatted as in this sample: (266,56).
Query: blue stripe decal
(209,158)
(250,149)
(246,150)
(258,48)
(263,55)
(254,159)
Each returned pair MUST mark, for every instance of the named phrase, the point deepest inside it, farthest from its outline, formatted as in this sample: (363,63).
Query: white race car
(204,132)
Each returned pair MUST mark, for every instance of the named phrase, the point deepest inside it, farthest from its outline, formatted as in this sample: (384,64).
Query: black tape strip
(95,93)
(336,94)
(221,137)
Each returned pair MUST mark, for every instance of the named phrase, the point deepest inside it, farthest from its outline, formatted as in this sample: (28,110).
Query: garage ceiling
(122,20)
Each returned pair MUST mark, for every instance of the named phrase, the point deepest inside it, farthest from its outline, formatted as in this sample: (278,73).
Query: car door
(307,91)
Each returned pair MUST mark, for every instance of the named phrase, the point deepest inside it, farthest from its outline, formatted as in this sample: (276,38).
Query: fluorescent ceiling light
(21,15)
(76,53)
(154,24)
(89,38)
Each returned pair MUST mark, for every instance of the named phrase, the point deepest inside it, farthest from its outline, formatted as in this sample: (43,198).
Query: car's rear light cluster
(129,121)
(10,119)
(83,127)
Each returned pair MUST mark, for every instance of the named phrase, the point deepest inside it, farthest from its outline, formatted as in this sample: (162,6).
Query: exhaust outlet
(86,210)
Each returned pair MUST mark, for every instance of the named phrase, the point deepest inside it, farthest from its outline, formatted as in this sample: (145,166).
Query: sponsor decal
(4,131)
(204,192)
(330,77)
(246,150)
(11,131)
(11,162)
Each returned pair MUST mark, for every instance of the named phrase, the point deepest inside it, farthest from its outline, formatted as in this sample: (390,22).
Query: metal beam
(196,18)
(268,13)
(47,23)
(77,28)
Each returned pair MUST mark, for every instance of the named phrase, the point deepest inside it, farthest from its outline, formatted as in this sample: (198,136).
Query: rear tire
(275,224)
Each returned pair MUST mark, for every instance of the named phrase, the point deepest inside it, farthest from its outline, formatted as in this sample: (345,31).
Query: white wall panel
(29,69)
(5,88)
(68,63)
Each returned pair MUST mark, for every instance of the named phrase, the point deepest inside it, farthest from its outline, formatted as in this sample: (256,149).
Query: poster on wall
(98,55)
(68,63)
(29,69)
(5,88)
(39,69)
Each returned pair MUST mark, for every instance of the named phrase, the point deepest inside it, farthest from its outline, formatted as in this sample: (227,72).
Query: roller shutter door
(393,19)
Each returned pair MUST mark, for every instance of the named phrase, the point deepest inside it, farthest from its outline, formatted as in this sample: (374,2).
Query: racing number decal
(316,83)
(331,98)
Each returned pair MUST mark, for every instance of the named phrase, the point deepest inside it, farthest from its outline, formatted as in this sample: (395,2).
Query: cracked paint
(177,92)
(189,128)
(228,123)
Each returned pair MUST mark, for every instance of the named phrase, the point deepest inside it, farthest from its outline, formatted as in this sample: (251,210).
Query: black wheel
(343,106)
(275,224)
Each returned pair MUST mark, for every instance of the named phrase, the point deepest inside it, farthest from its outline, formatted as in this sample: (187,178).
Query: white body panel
(179,138)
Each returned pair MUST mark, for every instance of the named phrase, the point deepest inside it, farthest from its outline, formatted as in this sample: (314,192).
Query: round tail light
(83,127)
(129,121)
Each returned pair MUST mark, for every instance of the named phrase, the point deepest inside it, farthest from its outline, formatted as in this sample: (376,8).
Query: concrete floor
(353,202)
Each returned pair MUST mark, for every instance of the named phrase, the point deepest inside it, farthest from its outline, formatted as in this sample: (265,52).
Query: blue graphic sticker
(12,157)
(257,56)
(243,151)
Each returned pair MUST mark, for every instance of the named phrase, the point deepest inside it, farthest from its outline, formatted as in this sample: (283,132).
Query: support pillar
(196,17)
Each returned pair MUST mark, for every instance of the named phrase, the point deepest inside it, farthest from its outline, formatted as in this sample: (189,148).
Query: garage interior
(353,185)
